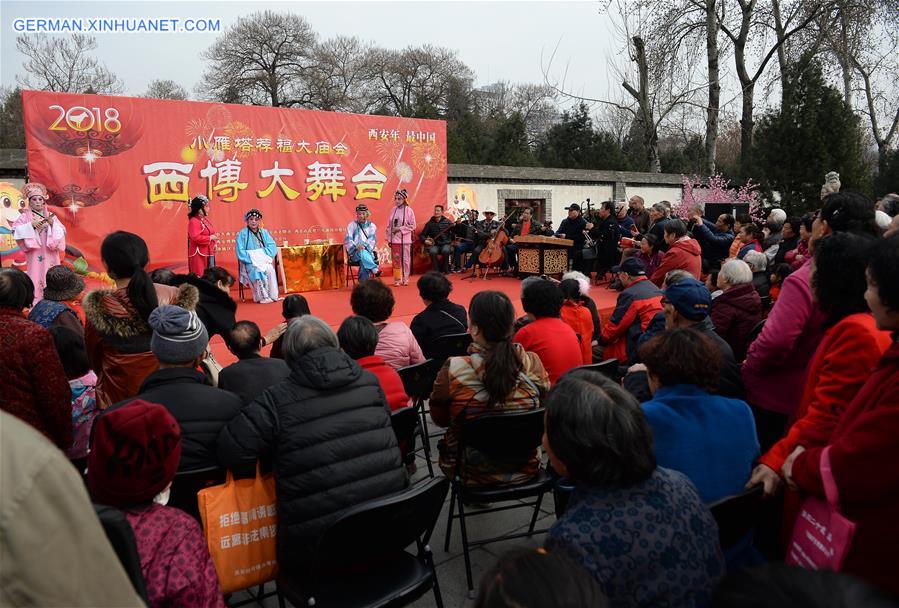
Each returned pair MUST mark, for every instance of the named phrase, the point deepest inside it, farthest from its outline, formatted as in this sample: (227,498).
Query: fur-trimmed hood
(114,317)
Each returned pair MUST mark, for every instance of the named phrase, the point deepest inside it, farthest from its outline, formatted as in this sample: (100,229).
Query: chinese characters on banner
(119,163)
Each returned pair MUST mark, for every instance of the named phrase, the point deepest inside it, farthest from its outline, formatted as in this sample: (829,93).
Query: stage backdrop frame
(126,163)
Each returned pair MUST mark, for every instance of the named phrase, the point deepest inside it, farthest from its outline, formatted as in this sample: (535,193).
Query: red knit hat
(134,454)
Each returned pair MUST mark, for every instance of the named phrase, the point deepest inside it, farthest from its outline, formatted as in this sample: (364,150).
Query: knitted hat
(134,454)
(62,283)
(178,334)
(690,298)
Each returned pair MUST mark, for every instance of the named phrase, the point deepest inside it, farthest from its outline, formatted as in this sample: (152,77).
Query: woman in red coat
(845,358)
(864,452)
(200,237)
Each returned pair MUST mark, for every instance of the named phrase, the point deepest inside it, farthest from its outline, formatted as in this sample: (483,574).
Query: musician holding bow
(437,240)
(40,235)
(483,230)
(526,225)
(464,237)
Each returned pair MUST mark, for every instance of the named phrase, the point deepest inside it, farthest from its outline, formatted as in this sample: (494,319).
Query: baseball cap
(573,207)
(690,298)
(632,266)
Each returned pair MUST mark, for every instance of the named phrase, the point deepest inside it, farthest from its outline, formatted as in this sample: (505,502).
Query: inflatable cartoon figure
(11,205)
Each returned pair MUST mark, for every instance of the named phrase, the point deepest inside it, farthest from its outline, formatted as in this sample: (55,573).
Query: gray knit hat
(178,334)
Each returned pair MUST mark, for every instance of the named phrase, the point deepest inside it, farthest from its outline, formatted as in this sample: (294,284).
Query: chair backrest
(186,484)
(451,345)
(608,368)
(418,379)
(121,537)
(387,524)
(504,436)
(736,515)
(404,422)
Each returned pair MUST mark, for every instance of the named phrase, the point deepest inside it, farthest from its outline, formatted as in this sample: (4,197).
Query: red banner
(125,163)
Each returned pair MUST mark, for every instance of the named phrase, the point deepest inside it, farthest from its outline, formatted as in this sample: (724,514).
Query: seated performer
(256,250)
(483,229)
(360,242)
(526,225)
(437,240)
(464,237)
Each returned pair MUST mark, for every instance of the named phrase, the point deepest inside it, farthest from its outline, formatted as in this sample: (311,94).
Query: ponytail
(493,314)
(125,256)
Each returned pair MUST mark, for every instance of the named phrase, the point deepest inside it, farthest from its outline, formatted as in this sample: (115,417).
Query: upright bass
(492,254)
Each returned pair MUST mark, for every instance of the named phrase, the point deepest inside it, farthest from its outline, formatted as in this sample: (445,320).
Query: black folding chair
(121,537)
(418,380)
(510,437)
(241,286)
(451,345)
(406,424)
(352,268)
(186,484)
(609,368)
(737,515)
(378,571)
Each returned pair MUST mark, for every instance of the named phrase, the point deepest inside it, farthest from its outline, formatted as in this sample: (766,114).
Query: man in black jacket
(326,432)
(572,228)
(179,342)
(440,317)
(606,235)
(252,373)
(437,239)
(658,215)
(715,239)
(483,230)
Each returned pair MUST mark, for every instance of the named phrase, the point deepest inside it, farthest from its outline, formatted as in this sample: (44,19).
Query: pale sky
(498,40)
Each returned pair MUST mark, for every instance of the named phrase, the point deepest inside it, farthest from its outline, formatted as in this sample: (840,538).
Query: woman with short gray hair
(739,308)
(758,263)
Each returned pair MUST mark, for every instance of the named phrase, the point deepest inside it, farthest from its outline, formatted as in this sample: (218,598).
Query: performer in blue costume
(256,251)
(360,242)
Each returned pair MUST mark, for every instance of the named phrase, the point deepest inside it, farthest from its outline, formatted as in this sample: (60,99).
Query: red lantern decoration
(81,185)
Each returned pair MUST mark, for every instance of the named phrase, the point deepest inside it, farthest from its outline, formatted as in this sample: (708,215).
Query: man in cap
(361,241)
(687,303)
(256,251)
(179,342)
(483,230)
(637,304)
(572,228)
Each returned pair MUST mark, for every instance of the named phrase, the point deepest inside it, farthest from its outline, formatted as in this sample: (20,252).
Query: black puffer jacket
(326,431)
(216,308)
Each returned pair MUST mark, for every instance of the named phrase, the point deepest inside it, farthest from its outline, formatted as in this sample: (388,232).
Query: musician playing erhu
(40,235)
(483,229)
(437,240)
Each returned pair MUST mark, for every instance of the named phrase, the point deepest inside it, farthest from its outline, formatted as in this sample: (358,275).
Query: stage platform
(333,306)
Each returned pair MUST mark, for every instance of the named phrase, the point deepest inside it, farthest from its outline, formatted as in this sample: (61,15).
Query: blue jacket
(708,438)
(715,245)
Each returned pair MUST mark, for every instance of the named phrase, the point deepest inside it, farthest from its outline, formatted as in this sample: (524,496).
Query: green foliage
(887,179)
(573,143)
(12,125)
(812,133)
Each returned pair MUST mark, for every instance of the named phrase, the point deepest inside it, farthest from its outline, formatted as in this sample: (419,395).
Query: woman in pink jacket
(401,234)
(397,345)
(40,235)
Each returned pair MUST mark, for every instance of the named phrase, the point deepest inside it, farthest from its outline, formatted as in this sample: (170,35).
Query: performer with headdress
(201,237)
(40,235)
(256,251)
(401,234)
(361,241)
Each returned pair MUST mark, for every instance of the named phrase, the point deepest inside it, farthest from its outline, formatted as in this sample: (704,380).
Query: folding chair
(121,537)
(737,515)
(406,424)
(450,345)
(353,275)
(609,368)
(379,571)
(507,437)
(186,484)
(418,380)
(282,284)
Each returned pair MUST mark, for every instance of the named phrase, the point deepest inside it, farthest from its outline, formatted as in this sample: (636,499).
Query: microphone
(396,222)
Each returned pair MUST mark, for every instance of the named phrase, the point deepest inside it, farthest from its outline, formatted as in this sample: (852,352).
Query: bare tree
(265,58)
(535,103)
(64,65)
(165,89)
(748,32)
(416,80)
(342,76)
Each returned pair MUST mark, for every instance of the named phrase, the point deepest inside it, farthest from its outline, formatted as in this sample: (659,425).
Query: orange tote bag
(240,520)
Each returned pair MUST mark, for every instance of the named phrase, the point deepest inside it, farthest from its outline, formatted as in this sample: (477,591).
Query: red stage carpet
(333,306)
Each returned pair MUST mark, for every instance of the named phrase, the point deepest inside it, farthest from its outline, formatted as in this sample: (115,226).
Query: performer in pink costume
(201,237)
(40,235)
(401,235)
